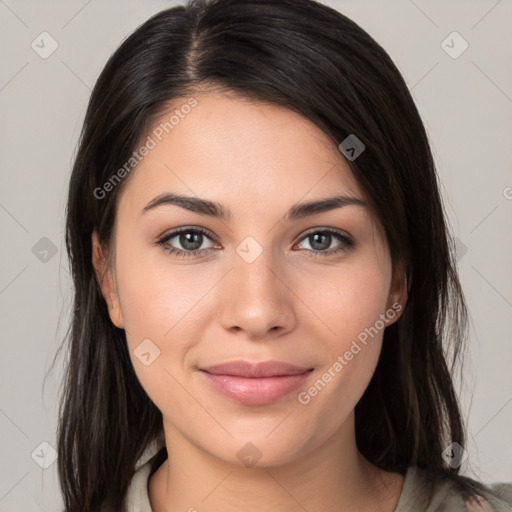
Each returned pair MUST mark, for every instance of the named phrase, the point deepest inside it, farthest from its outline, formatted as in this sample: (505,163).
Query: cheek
(166,304)
(157,297)
(349,300)
(350,305)
(161,308)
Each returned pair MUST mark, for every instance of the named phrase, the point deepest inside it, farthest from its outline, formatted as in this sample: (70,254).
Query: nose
(258,299)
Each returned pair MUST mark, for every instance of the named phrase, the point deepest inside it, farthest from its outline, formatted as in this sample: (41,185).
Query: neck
(332,476)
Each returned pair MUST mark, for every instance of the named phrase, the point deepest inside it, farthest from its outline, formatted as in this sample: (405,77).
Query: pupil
(324,245)
(188,238)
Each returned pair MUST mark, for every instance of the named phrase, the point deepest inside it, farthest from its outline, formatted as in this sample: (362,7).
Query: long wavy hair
(310,58)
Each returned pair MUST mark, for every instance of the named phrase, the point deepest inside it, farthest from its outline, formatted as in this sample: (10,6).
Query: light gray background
(466,105)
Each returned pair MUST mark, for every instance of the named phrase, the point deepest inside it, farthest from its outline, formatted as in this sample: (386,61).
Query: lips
(255,383)
(255,370)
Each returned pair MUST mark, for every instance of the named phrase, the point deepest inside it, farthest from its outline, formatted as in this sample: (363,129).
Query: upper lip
(256,369)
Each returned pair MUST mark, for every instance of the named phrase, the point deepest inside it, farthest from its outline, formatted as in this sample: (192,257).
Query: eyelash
(345,245)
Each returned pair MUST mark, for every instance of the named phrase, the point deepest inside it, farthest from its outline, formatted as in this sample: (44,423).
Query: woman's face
(314,289)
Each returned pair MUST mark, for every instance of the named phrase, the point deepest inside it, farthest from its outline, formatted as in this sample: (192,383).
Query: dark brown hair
(310,58)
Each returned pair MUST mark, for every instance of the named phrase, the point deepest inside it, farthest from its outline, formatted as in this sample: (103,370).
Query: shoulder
(498,499)
(137,496)
(421,493)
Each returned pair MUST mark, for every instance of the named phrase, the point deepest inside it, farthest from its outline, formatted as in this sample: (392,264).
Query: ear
(106,281)
(398,294)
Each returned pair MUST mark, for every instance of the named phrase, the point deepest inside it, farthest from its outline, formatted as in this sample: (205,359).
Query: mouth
(255,383)
(248,369)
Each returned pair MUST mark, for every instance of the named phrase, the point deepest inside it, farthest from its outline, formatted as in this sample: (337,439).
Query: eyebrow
(214,209)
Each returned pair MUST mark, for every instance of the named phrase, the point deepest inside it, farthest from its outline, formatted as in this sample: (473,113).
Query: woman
(264,278)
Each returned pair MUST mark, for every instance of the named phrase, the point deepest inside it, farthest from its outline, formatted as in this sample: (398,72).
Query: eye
(320,240)
(191,239)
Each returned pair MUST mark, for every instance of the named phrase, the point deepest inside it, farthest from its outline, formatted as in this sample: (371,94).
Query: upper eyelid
(186,229)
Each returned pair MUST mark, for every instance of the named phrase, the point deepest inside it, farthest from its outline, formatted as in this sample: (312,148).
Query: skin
(257,160)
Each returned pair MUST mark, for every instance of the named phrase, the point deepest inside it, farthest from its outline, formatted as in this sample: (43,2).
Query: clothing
(416,495)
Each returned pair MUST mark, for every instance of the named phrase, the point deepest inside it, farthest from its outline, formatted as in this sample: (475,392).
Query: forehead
(227,148)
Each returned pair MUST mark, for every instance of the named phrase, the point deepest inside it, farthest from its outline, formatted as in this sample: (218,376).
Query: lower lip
(255,391)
